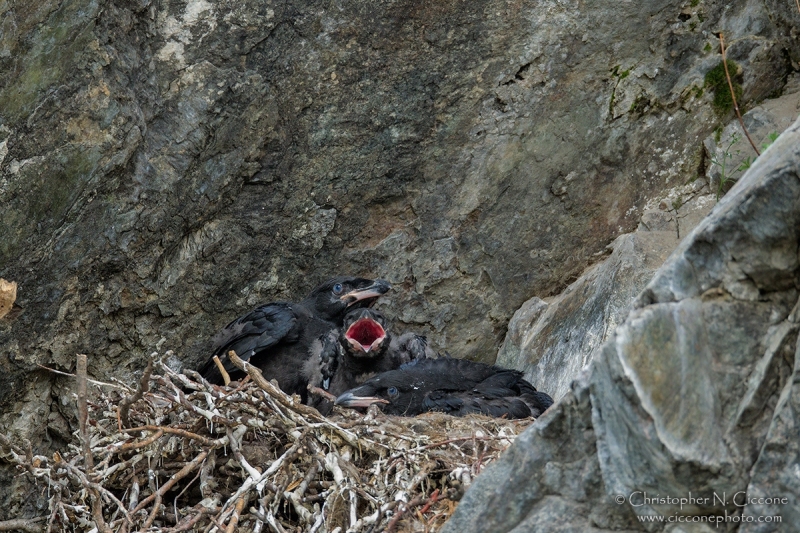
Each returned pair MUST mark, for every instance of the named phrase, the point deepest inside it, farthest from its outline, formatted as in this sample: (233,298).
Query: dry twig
(144,386)
(22,524)
(226,379)
(733,94)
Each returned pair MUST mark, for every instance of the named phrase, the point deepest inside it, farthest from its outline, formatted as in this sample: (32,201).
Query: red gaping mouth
(365,334)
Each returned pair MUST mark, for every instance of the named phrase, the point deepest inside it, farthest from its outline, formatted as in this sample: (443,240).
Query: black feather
(454,386)
(277,337)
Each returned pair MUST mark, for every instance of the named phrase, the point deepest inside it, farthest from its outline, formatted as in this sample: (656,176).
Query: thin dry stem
(226,378)
(733,95)
(92,381)
(144,386)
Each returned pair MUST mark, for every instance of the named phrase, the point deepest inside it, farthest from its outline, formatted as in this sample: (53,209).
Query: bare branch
(22,524)
(733,95)
(226,379)
(144,386)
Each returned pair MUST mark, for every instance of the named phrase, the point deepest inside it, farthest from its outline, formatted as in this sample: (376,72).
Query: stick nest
(179,454)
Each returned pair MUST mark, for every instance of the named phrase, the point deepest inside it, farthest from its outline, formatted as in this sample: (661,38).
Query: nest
(179,454)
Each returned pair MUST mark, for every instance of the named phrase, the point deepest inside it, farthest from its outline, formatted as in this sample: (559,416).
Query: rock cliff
(165,165)
(554,340)
(694,395)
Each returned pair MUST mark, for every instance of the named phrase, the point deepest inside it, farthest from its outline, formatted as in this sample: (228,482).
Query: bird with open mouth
(454,386)
(361,348)
(277,337)
(364,333)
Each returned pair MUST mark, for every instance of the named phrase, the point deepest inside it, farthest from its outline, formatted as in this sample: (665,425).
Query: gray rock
(553,341)
(693,395)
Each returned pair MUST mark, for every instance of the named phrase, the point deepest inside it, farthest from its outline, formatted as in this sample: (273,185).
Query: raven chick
(276,337)
(362,347)
(454,386)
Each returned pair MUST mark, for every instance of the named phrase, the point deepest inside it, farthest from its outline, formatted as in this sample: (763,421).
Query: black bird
(361,348)
(364,337)
(454,386)
(276,337)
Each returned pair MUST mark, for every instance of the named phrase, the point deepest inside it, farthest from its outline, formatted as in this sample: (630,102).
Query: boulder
(691,402)
(553,340)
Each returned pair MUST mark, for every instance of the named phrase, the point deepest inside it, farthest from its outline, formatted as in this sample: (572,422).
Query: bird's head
(397,392)
(364,334)
(332,299)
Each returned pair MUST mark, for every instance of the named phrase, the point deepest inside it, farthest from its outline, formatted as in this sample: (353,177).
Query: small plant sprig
(722,162)
(770,139)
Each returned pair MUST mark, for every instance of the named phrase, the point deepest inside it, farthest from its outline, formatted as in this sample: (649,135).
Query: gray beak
(348,399)
(378,288)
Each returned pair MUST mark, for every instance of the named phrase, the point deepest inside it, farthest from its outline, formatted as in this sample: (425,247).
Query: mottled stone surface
(694,394)
(167,164)
(553,340)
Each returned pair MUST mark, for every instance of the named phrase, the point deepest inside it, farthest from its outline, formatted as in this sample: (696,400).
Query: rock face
(696,392)
(553,341)
(164,166)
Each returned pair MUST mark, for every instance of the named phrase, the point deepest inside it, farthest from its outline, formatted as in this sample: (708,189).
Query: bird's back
(261,337)
(454,386)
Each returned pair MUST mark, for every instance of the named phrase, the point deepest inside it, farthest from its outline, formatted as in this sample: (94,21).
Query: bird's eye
(337,289)
(392,391)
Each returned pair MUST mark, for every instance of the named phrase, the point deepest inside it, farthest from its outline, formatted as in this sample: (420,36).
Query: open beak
(348,399)
(367,295)
(365,334)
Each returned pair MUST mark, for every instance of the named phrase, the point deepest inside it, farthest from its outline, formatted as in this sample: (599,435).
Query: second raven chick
(361,348)
(454,386)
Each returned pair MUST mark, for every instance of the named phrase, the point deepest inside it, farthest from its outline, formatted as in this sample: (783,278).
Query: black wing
(259,330)
(325,353)
(508,384)
(502,395)
(473,402)
(321,367)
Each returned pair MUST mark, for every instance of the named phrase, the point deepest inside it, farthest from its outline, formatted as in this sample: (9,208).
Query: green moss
(716,81)
(48,62)
(707,47)
(621,74)
(55,184)
(694,3)
(718,134)
(640,104)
